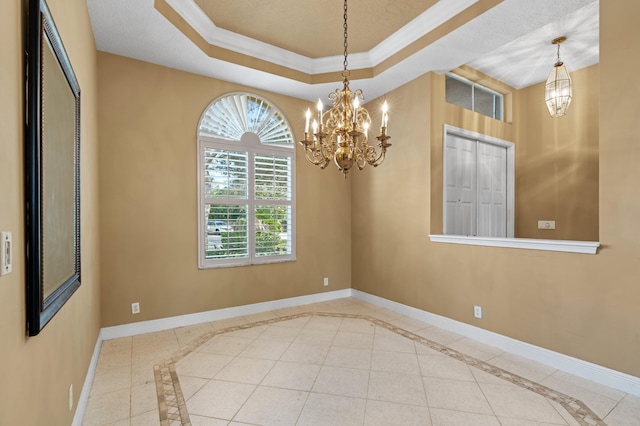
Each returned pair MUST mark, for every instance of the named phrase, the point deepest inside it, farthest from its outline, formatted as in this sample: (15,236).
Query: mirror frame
(43,34)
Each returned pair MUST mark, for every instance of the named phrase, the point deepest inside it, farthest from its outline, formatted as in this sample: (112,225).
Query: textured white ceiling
(528,59)
(510,42)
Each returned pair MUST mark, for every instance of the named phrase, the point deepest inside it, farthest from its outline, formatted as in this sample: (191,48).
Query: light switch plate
(6,254)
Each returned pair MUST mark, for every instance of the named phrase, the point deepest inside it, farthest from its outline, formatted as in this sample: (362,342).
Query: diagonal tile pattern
(339,362)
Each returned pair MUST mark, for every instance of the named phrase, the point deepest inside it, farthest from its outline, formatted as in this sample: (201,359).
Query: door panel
(492,182)
(460,186)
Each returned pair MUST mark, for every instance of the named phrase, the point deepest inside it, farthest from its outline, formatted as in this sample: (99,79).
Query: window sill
(584,247)
(222,264)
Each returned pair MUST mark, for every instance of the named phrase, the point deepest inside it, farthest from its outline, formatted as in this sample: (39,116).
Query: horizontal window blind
(272,177)
(226,230)
(226,173)
(273,230)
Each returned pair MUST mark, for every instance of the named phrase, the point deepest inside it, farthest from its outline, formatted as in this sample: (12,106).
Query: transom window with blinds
(246,169)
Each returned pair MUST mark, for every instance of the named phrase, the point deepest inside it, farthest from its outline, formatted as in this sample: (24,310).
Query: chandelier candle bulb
(385,108)
(306,124)
(356,104)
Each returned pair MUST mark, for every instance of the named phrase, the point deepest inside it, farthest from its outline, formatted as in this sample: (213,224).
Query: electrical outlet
(71,397)
(6,254)
(546,224)
(135,308)
(326,281)
(477,311)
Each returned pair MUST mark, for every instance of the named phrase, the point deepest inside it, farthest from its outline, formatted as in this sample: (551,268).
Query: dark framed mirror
(52,171)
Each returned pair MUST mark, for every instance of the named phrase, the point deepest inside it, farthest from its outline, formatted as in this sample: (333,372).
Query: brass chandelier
(341,133)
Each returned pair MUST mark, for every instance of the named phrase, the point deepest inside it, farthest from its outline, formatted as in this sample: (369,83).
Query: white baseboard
(218,314)
(596,373)
(88,382)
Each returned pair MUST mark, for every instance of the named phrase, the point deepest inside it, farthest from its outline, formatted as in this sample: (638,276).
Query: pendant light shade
(558,87)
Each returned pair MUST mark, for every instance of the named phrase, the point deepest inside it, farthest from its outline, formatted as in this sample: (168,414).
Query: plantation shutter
(226,204)
(272,187)
(246,164)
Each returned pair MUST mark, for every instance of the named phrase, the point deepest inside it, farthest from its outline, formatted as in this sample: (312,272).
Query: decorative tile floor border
(173,409)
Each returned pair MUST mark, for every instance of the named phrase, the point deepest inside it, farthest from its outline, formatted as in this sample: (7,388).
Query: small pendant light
(558,88)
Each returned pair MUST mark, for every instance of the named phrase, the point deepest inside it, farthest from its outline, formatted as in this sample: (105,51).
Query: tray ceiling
(295,47)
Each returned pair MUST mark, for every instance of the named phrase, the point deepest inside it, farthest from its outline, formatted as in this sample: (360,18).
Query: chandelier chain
(346,45)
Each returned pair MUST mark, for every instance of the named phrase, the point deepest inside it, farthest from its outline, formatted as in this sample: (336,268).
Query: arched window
(246,174)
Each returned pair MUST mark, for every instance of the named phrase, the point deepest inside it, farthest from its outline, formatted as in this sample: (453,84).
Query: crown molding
(424,23)
(430,19)
(200,22)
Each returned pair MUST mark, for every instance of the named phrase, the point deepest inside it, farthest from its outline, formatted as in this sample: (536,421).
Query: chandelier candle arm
(341,134)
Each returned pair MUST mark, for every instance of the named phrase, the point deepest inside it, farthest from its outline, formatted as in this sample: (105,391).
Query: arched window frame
(242,131)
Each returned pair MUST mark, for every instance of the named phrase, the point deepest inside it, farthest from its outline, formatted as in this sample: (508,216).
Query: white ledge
(585,247)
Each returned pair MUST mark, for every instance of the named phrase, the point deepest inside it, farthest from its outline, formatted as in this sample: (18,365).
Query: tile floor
(343,362)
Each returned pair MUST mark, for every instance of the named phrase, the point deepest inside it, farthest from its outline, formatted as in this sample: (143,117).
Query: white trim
(216,36)
(430,19)
(133,329)
(596,373)
(83,400)
(568,246)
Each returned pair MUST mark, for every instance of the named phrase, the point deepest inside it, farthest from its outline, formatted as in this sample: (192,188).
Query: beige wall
(557,162)
(36,372)
(580,305)
(148,158)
